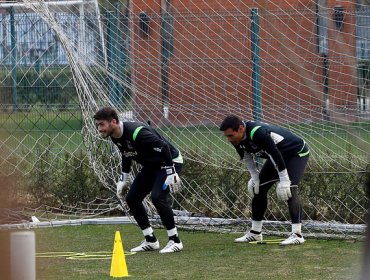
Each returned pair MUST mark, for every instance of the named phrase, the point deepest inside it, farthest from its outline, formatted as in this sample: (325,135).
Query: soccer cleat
(293,239)
(249,237)
(146,246)
(172,247)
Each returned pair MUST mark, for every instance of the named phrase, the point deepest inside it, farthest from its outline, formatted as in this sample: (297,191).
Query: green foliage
(222,188)
(11,192)
(40,181)
(80,185)
(214,191)
(338,196)
(66,181)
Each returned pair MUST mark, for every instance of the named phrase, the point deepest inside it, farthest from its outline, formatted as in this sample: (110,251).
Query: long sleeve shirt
(270,141)
(145,145)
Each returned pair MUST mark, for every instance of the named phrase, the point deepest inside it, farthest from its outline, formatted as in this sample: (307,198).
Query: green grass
(205,256)
(60,130)
(41,121)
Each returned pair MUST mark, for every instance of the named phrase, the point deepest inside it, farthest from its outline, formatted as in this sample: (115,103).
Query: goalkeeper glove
(283,187)
(172,180)
(254,186)
(122,184)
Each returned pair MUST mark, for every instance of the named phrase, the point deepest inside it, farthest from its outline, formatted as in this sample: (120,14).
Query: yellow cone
(118,267)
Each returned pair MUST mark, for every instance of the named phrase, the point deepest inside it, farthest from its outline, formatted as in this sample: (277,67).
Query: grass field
(61,130)
(57,128)
(205,256)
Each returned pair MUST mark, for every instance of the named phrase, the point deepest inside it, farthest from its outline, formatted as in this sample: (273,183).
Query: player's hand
(173,181)
(283,191)
(122,184)
(253,186)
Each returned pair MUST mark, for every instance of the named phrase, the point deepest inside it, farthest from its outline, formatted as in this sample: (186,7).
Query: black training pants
(268,176)
(151,180)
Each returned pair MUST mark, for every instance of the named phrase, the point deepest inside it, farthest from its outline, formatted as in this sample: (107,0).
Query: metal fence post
(256,77)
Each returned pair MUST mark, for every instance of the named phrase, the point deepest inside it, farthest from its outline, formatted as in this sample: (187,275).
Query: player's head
(106,121)
(233,129)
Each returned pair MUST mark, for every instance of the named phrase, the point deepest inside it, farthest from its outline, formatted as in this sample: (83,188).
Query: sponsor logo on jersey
(129,154)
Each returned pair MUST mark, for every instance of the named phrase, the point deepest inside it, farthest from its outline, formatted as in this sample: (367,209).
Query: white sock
(148,231)
(256,226)
(296,228)
(172,232)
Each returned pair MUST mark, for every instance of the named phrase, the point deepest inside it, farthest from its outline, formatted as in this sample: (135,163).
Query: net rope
(191,69)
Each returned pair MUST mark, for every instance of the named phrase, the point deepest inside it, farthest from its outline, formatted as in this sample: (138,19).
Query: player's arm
(151,141)
(250,164)
(123,180)
(126,164)
(263,138)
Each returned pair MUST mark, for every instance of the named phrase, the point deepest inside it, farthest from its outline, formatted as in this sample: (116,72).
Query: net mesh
(184,67)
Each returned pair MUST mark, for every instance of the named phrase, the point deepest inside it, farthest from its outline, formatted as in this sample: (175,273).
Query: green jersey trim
(136,132)
(304,153)
(253,131)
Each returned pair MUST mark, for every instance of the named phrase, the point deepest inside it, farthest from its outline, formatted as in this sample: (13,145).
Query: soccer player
(286,157)
(161,162)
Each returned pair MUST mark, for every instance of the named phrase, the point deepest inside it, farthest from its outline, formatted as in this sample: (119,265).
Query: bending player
(161,162)
(286,157)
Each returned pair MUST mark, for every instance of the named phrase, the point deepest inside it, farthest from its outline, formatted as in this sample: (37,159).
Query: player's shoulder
(132,126)
(257,129)
(254,125)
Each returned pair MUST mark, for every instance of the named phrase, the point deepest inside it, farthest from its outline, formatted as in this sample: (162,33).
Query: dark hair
(106,113)
(232,122)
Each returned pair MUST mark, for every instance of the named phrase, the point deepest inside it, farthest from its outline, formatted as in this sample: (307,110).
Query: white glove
(173,180)
(283,187)
(122,184)
(253,186)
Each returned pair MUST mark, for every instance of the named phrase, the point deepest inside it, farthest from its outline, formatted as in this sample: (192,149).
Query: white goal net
(184,66)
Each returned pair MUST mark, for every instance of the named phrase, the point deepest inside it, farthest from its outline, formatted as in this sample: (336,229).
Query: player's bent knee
(132,201)
(156,198)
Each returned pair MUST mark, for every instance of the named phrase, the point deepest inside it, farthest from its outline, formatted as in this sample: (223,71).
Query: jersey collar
(121,129)
(245,132)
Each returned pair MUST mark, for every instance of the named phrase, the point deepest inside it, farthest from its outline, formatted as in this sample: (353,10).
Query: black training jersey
(270,141)
(145,145)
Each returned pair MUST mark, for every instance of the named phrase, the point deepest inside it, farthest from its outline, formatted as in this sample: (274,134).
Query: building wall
(208,85)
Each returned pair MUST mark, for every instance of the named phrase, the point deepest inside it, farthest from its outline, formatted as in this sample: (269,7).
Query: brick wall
(210,70)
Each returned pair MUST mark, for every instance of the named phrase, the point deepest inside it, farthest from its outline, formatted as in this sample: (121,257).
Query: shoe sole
(146,249)
(179,250)
(247,241)
(268,241)
(298,243)
(143,250)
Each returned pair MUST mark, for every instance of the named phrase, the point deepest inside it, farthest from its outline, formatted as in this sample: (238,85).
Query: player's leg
(268,176)
(139,189)
(160,199)
(295,166)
